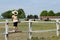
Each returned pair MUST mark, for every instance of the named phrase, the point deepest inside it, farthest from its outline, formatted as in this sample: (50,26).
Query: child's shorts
(15,24)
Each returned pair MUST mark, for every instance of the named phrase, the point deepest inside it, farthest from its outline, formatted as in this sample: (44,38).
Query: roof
(49,16)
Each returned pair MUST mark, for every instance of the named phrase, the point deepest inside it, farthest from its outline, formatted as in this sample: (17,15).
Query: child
(15,20)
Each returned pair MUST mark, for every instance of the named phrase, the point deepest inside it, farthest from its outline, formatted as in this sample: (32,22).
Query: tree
(57,14)
(21,13)
(44,13)
(7,14)
(30,16)
(51,13)
(35,16)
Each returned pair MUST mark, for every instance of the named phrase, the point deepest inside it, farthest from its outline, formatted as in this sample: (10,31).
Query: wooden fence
(7,32)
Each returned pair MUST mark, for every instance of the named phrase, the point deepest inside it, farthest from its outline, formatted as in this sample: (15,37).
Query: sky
(34,7)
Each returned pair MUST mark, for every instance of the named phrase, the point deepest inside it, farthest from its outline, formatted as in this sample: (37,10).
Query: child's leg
(15,26)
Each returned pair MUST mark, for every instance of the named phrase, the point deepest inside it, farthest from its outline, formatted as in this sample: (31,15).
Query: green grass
(49,38)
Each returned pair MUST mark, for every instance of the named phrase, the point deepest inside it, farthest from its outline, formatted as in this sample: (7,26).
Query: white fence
(30,28)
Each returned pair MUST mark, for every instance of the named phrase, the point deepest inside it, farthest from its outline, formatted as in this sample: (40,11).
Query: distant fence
(30,28)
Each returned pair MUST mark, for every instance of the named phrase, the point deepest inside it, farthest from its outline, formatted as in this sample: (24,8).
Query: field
(35,36)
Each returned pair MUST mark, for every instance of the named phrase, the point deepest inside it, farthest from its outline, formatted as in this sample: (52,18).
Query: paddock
(30,30)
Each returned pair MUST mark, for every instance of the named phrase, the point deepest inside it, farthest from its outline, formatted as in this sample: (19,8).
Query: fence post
(57,27)
(30,30)
(6,30)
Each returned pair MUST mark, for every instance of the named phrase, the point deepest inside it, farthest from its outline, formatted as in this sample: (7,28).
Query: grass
(49,38)
(35,36)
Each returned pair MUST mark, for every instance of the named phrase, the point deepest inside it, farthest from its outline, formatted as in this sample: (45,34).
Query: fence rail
(7,32)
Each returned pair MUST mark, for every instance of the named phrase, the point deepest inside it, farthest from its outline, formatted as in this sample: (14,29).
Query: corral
(29,29)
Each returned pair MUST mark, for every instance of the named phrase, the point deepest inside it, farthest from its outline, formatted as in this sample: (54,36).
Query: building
(49,17)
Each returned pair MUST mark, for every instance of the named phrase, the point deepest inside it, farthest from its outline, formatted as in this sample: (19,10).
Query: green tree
(44,13)
(51,13)
(21,13)
(7,14)
(57,14)
(30,16)
(36,16)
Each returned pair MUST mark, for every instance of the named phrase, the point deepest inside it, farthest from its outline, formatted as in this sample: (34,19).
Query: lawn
(35,36)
